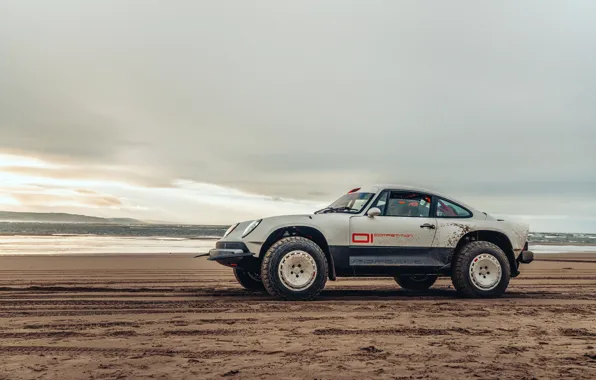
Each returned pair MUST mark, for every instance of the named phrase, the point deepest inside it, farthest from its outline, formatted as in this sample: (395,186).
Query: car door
(402,235)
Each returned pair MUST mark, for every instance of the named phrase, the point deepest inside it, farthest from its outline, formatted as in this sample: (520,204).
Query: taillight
(353,190)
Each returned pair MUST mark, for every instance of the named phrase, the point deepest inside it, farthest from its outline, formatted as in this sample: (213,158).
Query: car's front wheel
(481,270)
(294,268)
(416,282)
(248,280)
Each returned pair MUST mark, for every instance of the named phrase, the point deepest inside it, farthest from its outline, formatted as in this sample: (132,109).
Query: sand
(174,317)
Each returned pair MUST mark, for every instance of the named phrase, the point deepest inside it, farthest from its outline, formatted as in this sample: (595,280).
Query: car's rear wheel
(481,270)
(294,268)
(416,282)
(249,280)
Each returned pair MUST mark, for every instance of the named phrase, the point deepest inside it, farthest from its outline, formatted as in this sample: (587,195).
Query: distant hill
(125,220)
(9,216)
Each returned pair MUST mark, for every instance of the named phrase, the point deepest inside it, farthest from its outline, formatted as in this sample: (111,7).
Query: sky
(219,111)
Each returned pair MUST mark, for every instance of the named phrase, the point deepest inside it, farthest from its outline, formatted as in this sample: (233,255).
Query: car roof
(395,186)
(398,186)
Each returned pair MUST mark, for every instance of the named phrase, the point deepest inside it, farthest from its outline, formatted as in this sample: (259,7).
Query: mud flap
(525,257)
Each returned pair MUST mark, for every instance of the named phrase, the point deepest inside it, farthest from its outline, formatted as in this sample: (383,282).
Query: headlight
(229,230)
(251,227)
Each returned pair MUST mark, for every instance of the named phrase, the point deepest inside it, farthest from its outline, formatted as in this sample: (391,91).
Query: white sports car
(413,235)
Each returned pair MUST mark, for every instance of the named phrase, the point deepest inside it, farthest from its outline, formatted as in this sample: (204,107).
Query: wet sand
(175,317)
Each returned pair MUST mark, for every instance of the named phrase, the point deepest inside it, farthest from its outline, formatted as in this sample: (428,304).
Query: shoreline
(559,244)
(586,255)
(559,256)
(541,255)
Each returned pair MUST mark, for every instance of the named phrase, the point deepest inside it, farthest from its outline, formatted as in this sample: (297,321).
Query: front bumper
(224,254)
(233,254)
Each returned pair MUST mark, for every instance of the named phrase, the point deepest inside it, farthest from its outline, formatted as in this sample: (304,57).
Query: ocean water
(561,238)
(141,230)
(556,248)
(103,239)
(101,245)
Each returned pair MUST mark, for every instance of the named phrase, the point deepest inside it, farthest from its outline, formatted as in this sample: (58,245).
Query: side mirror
(375,211)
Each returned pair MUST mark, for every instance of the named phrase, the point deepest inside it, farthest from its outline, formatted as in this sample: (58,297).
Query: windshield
(351,203)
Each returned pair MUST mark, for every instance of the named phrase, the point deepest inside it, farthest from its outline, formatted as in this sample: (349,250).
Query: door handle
(428,225)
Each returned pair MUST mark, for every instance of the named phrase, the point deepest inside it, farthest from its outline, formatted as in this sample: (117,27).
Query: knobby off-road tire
(416,283)
(481,270)
(294,268)
(249,280)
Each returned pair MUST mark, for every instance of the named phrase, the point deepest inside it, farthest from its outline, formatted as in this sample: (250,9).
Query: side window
(408,204)
(446,209)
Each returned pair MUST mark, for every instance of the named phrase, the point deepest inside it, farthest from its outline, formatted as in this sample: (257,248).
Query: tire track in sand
(82,350)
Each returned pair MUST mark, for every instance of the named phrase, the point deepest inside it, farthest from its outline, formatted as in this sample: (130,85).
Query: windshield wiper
(335,209)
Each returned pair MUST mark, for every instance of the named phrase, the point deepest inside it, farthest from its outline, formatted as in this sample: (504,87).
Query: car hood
(272,222)
(305,218)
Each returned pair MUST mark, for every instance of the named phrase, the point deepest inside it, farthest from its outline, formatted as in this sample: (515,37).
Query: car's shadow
(431,294)
(383,294)
(371,294)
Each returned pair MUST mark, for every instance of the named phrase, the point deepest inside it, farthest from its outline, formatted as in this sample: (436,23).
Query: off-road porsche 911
(412,235)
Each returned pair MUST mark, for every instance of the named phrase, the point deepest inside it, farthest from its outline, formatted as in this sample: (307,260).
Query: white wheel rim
(297,270)
(485,271)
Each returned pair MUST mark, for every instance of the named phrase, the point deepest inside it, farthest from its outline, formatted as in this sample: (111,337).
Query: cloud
(304,100)
(53,200)
(84,173)
(71,188)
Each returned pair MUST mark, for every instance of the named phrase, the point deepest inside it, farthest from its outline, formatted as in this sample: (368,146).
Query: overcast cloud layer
(493,102)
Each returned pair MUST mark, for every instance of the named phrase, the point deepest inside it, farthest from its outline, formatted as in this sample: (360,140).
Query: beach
(173,316)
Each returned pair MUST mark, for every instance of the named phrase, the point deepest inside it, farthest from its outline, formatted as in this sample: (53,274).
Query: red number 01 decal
(360,238)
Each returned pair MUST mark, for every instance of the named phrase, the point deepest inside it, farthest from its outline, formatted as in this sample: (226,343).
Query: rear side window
(447,209)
